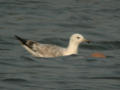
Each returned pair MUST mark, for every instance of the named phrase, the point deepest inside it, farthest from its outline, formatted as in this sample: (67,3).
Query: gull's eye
(78,37)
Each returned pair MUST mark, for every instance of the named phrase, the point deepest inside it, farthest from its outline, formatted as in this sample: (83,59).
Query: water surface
(53,21)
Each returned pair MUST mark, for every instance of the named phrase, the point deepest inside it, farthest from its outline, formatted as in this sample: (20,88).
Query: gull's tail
(27,44)
(23,41)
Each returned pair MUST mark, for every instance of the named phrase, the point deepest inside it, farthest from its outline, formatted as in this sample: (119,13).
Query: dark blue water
(53,21)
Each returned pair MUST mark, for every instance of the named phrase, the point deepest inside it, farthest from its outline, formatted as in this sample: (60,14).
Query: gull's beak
(85,40)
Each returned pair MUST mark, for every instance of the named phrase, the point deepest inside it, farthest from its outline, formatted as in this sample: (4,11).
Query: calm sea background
(53,21)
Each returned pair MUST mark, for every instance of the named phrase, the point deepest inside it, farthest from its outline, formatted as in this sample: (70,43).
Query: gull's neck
(72,47)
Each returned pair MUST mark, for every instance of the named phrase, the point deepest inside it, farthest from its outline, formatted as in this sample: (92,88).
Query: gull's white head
(74,42)
(77,38)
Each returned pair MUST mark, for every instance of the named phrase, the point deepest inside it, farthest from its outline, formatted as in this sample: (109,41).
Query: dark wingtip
(16,36)
(23,41)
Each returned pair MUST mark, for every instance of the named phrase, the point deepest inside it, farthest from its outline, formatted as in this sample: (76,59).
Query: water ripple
(103,45)
(15,80)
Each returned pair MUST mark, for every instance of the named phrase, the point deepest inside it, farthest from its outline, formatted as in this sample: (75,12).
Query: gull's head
(77,39)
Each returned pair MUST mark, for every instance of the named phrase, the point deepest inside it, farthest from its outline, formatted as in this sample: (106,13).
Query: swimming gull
(48,50)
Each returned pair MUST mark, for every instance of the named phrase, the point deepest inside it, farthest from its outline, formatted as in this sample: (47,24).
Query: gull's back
(47,50)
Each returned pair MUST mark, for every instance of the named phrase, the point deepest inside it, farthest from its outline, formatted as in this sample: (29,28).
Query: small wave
(14,80)
(27,58)
(114,78)
(3,49)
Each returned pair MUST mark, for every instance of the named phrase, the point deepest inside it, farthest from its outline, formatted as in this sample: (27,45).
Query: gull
(48,50)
